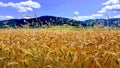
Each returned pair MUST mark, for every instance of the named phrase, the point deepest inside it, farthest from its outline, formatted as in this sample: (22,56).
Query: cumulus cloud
(6,17)
(110,5)
(115,8)
(22,6)
(111,2)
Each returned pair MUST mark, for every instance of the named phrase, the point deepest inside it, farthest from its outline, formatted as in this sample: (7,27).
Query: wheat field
(47,48)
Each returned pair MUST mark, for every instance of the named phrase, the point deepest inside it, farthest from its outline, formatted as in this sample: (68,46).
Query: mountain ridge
(54,21)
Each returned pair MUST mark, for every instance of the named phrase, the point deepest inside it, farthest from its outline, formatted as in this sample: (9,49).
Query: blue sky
(75,9)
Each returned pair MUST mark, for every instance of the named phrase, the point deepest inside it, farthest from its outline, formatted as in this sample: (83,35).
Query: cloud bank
(82,18)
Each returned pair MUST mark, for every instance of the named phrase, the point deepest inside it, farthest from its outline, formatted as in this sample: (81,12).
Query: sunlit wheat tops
(45,48)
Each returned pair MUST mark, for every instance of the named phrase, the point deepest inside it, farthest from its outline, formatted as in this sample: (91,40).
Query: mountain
(52,20)
(106,22)
(39,21)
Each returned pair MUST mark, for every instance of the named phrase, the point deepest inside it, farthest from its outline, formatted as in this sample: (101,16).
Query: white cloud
(113,8)
(117,16)
(111,2)
(22,6)
(6,17)
(76,13)
(77,17)
(97,15)
(82,18)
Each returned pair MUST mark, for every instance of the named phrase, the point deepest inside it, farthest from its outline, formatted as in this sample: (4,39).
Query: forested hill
(39,21)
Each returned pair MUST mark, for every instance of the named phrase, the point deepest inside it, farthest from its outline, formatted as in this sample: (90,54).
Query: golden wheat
(45,48)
